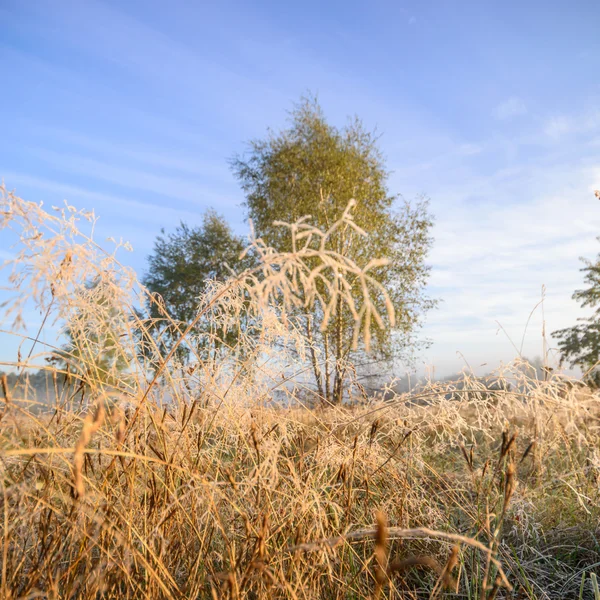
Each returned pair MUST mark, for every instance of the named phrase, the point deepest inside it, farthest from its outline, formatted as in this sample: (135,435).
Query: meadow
(172,475)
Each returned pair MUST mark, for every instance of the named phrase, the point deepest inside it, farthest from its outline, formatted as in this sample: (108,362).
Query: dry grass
(172,480)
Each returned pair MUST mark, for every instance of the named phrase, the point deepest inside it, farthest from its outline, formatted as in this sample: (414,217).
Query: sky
(492,110)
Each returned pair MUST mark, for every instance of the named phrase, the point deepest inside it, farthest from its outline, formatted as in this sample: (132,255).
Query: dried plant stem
(400,533)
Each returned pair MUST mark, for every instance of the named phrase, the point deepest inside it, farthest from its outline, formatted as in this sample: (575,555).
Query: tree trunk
(328,397)
(338,385)
(313,357)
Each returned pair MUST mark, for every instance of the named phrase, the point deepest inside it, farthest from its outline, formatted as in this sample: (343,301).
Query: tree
(95,331)
(580,345)
(313,168)
(179,268)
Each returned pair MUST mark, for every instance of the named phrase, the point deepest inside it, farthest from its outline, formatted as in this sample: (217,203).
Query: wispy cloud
(105,205)
(191,190)
(491,260)
(510,108)
(166,158)
(559,126)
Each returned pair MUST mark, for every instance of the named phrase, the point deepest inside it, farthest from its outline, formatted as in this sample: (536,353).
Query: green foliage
(580,345)
(94,351)
(179,268)
(316,169)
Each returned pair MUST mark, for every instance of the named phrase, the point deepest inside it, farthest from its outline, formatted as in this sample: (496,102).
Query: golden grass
(190,481)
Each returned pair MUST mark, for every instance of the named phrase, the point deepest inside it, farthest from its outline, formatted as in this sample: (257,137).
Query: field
(172,479)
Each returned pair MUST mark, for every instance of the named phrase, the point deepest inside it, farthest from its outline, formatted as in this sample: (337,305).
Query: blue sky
(491,109)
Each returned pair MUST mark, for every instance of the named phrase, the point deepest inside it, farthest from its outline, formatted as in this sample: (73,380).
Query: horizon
(477,111)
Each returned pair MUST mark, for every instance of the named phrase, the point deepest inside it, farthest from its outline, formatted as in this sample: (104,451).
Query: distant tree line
(42,386)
